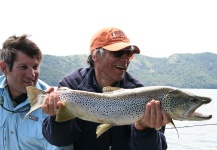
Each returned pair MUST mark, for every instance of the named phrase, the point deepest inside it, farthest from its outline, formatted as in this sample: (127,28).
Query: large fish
(117,106)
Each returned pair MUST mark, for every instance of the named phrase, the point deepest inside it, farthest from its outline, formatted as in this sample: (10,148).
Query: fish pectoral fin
(102,128)
(174,127)
(110,89)
(64,113)
(33,108)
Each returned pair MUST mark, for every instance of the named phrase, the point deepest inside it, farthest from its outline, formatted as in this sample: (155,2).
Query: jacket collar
(89,83)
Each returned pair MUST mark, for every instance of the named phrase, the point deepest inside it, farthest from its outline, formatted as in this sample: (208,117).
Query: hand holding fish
(153,117)
(51,102)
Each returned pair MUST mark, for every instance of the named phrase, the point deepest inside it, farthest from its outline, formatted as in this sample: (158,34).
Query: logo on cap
(117,34)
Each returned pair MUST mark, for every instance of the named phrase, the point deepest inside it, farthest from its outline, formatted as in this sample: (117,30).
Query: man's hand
(153,117)
(51,102)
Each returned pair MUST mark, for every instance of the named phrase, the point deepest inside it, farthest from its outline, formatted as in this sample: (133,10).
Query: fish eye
(193,99)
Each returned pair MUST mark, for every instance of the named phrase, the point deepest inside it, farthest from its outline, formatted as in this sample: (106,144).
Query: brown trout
(116,106)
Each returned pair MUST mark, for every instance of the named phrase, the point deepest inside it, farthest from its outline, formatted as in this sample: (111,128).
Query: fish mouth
(201,116)
(198,115)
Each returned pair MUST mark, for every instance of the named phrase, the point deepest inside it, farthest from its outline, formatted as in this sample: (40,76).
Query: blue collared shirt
(19,134)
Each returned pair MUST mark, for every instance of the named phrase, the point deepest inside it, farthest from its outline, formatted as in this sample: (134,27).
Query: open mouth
(29,83)
(199,115)
(202,116)
(121,67)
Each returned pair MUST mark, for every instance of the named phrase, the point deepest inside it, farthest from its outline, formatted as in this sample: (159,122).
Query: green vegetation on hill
(178,70)
(53,68)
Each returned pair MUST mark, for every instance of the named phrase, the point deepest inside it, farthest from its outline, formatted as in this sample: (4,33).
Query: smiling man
(110,55)
(20,64)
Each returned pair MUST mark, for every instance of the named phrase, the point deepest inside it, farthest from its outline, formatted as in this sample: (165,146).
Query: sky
(159,28)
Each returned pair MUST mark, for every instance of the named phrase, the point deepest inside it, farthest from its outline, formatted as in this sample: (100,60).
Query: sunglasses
(120,53)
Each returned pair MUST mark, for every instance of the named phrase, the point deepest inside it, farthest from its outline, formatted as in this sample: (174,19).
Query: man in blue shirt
(110,55)
(20,64)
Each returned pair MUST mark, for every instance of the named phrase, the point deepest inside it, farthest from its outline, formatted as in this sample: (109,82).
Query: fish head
(180,105)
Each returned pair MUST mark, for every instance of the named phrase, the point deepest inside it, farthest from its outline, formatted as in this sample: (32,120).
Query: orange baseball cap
(112,39)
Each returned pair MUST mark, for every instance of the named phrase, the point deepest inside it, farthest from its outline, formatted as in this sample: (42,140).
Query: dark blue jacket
(83,133)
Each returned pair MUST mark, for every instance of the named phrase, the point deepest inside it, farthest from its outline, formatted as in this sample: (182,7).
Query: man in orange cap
(110,55)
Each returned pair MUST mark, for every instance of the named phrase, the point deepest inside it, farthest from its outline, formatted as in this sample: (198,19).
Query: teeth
(120,67)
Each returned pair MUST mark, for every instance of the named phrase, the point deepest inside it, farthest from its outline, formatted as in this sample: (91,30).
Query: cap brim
(120,45)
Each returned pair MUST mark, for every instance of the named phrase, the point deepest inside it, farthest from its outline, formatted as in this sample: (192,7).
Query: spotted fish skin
(121,106)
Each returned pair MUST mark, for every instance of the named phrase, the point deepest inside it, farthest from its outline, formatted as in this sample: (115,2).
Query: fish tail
(32,94)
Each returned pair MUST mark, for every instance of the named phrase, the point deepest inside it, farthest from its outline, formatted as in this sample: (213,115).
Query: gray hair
(95,52)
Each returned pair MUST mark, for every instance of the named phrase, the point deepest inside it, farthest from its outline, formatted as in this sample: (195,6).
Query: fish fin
(64,113)
(32,94)
(174,127)
(102,128)
(110,89)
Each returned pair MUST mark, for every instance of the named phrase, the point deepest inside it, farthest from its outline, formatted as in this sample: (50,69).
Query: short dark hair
(22,44)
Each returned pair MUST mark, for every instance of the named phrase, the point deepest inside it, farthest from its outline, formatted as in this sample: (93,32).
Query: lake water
(196,135)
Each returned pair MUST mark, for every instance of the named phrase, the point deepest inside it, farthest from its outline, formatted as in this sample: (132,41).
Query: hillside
(178,70)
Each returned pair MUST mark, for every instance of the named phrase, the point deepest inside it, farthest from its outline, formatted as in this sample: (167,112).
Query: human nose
(30,73)
(125,59)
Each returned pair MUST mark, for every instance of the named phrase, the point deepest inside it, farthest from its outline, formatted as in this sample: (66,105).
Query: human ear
(3,66)
(96,57)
